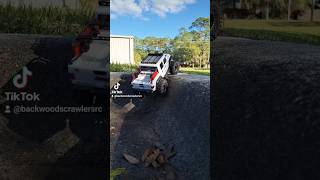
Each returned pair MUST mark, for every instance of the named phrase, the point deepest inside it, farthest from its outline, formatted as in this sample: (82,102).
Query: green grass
(312,28)
(116,172)
(195,71)
(45,20)
(123,67)
(293,31)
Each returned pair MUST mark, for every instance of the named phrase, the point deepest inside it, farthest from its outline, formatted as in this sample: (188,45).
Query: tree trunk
(234,8)
(312,10)
(201,59)
(246,4)
(268,10)
(289,9)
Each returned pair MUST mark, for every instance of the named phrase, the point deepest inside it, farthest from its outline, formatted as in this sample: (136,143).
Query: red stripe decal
(154,75)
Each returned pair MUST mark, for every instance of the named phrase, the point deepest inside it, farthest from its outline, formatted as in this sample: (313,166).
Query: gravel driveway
(266,109)
(181,118)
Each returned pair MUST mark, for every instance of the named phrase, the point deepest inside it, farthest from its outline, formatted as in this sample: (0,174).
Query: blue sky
(160,18)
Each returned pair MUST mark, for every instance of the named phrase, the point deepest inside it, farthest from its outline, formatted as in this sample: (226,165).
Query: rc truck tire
(162,86)
(174,68)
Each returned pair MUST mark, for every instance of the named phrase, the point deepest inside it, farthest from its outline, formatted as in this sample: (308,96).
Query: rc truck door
(165,62)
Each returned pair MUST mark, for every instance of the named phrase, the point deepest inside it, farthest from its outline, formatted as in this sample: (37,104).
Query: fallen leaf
(131,159)
(152,157)
(155,164)
(146,153)
(162,159)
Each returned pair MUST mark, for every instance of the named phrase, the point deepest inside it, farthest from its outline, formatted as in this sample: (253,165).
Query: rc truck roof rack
(155,54)
(152,58)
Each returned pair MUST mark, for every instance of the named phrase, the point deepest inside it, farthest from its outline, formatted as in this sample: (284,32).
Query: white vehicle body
(153,68)
(88,71)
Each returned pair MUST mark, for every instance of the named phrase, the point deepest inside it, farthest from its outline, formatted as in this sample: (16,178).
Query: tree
(311,5)
(183,54)
(64,3)
(139,52)
(281,8)
(201,33)
(149,44)
(267,9)
(137,57)
(189,46)
(289,9)
(202,26)
(234,4)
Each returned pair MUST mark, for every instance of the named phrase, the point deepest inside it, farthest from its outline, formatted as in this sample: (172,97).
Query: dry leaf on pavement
(162,159)
(131,159)
(152,157)
(146,153)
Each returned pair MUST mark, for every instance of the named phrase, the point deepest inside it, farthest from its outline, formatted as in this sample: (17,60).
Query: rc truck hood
(142,79)
(94,59)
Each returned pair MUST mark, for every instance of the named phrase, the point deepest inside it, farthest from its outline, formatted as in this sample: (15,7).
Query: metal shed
(121,49)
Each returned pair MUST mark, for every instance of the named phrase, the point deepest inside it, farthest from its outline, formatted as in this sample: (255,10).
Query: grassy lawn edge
(205,72)
(272,35)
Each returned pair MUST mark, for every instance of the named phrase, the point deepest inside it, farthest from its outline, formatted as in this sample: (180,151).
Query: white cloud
(164,7)
(125,7)
(145,5)
(136,8)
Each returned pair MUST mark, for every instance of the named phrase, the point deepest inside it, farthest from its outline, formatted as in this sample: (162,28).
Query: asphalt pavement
(266,109)
(181,119)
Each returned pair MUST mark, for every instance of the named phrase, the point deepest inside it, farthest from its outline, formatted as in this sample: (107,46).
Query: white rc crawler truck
(152,75)
(88,68)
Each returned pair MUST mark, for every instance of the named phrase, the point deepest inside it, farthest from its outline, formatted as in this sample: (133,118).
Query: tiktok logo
(116,87)
(21,81)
